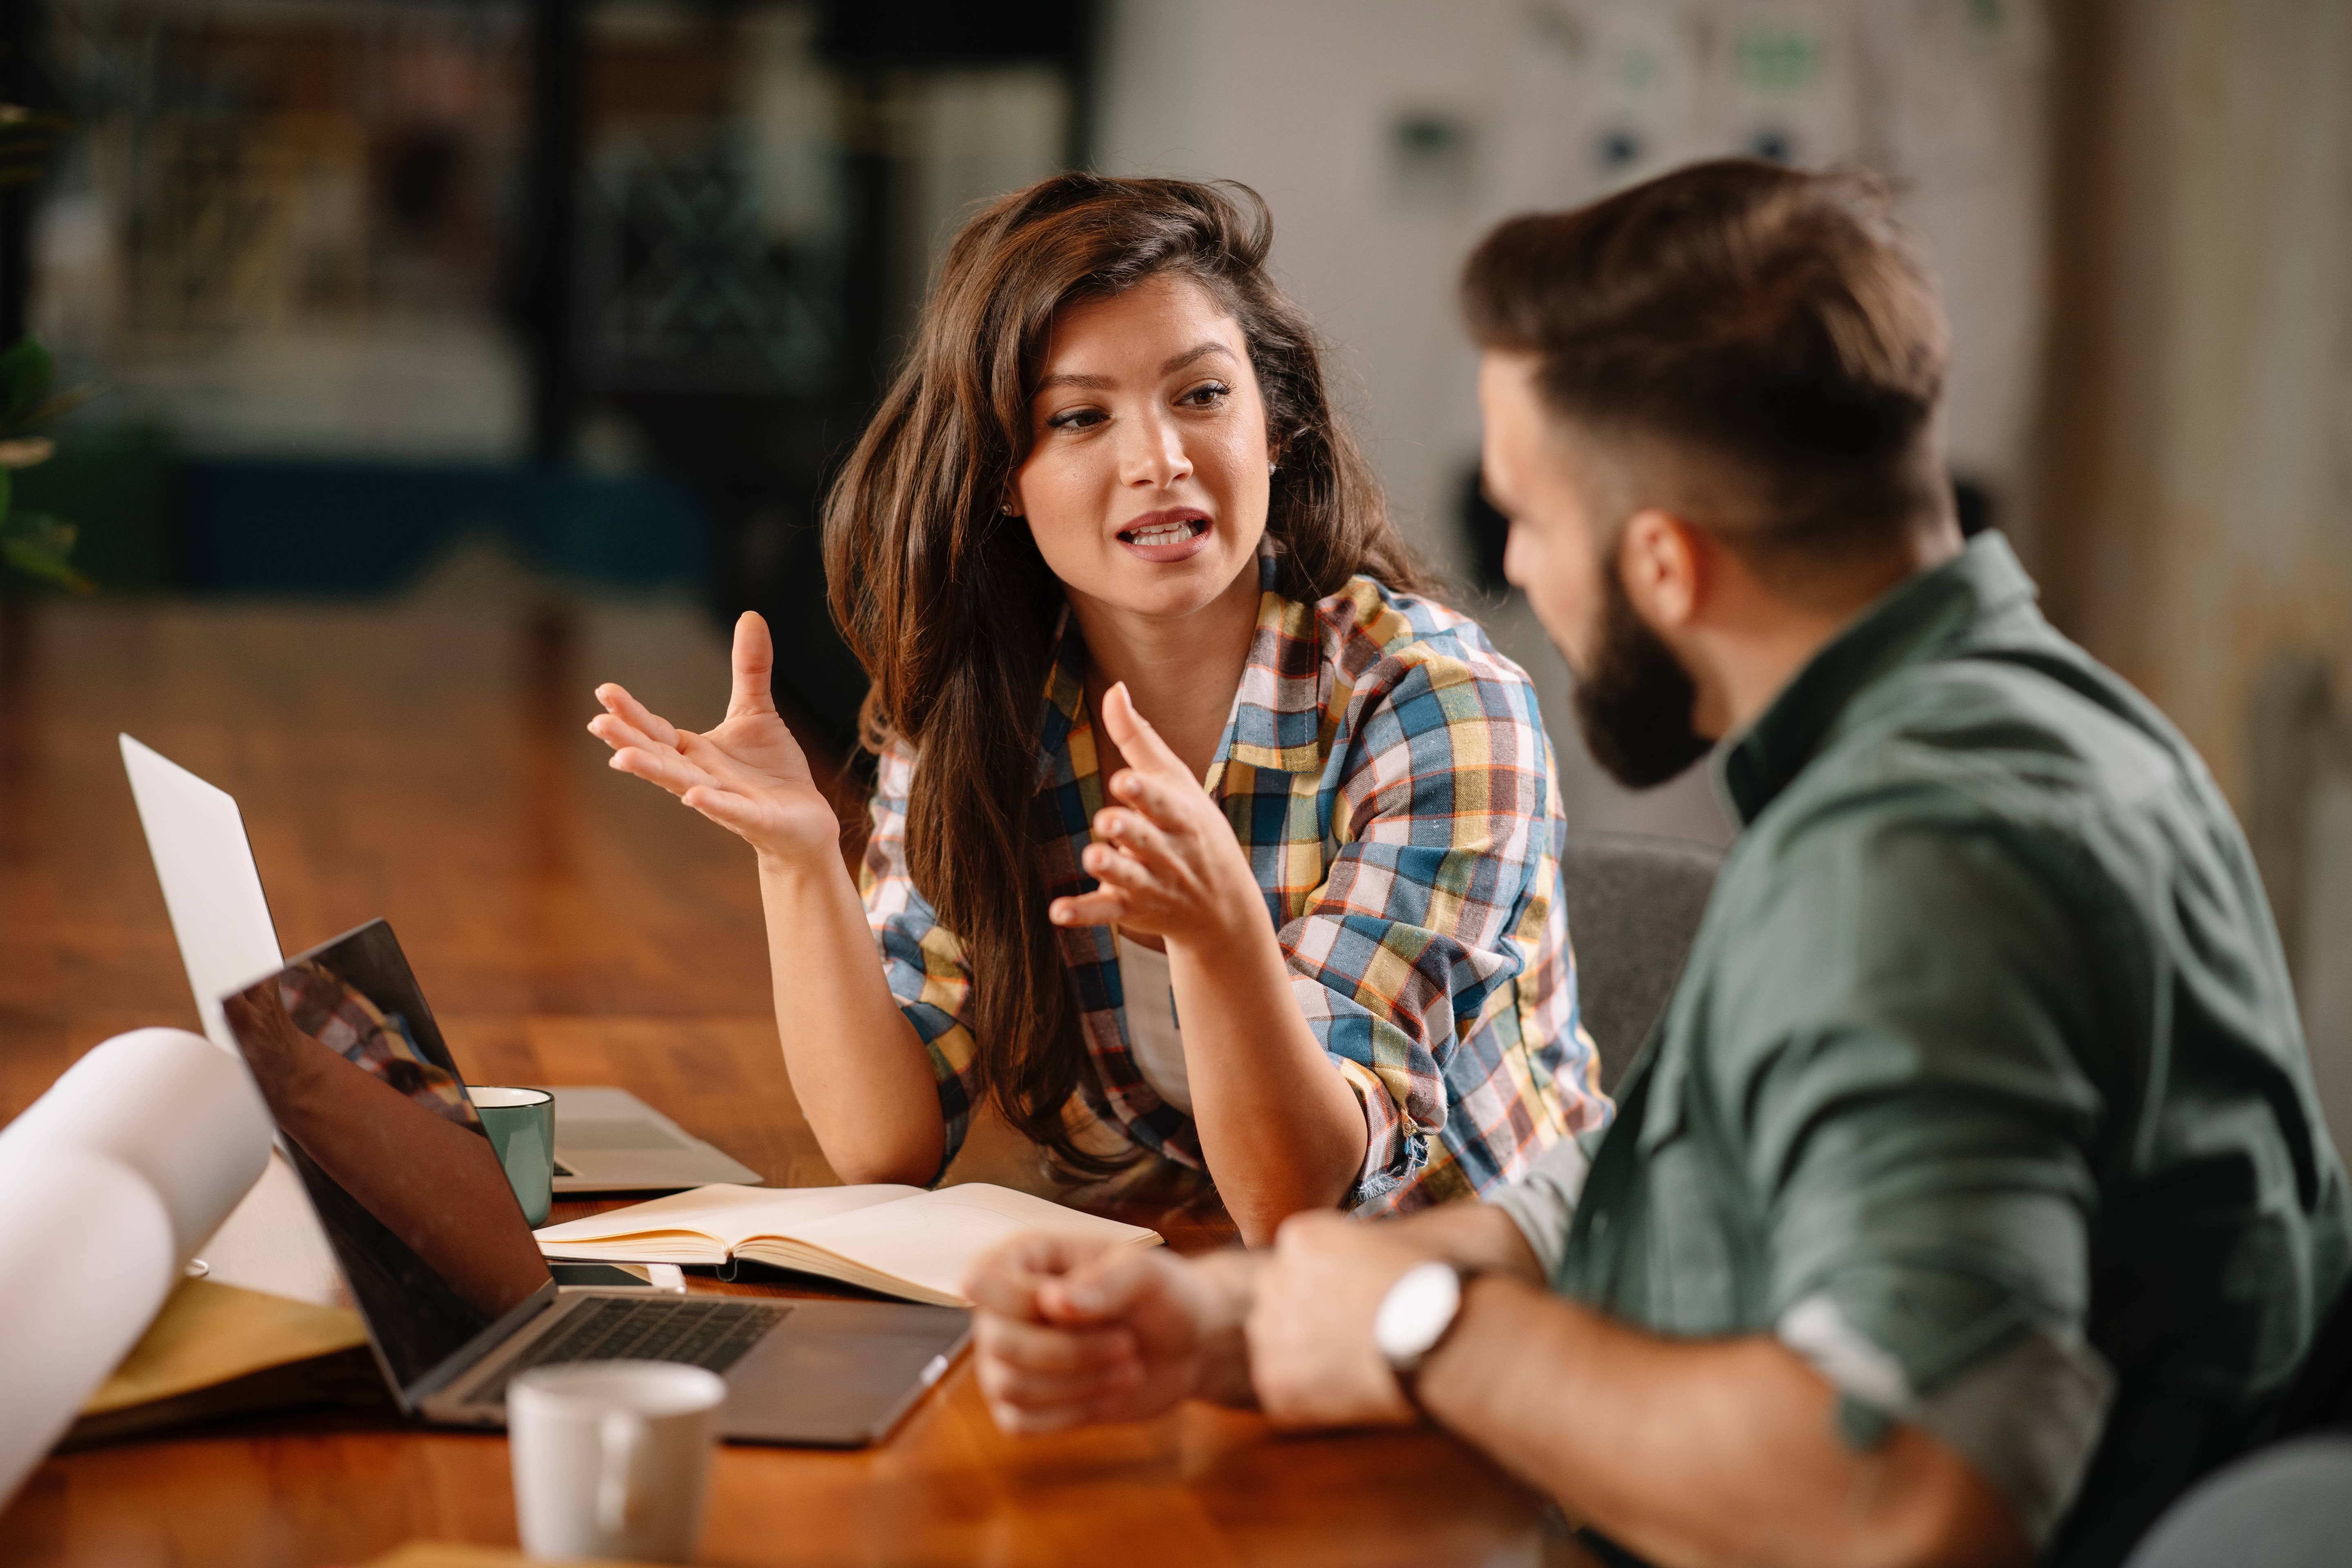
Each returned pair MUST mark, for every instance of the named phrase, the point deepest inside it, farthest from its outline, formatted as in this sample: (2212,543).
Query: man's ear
(1663,562)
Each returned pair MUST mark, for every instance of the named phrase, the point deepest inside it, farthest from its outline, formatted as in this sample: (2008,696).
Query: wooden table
(424,761)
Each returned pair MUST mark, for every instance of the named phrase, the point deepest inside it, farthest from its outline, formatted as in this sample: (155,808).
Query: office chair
(2285,1506)
(1633,906)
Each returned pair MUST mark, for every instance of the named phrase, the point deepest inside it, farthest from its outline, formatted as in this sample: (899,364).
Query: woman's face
(1146,484)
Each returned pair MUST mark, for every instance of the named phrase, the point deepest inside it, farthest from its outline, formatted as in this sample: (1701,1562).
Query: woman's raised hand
(749,775)
(1166,856)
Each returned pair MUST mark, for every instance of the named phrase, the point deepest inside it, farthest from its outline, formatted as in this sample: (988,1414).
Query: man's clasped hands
(1071,1332)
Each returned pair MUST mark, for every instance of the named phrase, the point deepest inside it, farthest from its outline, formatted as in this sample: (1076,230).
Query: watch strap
(1407,1370)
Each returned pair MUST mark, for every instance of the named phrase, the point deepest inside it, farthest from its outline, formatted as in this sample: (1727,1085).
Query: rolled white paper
(108,1183)
(85,1262)
(169,1105)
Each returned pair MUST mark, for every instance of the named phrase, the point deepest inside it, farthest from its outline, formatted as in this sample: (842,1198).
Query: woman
(1104,527)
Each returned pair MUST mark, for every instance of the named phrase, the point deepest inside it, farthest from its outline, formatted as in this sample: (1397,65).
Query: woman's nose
(1153,455)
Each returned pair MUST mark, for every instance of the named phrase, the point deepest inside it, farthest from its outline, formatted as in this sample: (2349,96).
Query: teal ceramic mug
(521,1125)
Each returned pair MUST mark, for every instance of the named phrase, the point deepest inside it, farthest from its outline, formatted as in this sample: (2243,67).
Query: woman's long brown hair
(949,607)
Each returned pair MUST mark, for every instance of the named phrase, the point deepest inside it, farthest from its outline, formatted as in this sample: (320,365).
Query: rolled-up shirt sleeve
(1542,1202)
(922,960)
(1926,1151)
(1435,903)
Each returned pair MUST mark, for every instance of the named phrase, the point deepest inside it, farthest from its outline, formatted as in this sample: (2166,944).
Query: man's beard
(1634,700)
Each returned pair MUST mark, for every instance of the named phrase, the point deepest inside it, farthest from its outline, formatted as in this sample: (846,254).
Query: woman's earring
(1007,510)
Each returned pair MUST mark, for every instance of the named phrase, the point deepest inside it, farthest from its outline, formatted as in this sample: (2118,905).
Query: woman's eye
(1075,419)
(1206,396)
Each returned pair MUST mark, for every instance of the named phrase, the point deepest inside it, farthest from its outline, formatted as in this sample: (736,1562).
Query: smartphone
(664,1277)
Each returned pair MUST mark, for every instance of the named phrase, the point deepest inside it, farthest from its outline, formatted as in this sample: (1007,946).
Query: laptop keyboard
(699,1332)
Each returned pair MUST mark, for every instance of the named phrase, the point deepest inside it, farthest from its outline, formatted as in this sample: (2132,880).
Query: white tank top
(1151,1031)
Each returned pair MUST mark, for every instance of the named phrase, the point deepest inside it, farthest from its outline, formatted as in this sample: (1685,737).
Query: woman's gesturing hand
(749,775)
(1166,856)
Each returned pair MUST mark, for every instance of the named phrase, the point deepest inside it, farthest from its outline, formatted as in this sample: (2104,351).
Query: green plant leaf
(33,561)
(25,373)
(40,546)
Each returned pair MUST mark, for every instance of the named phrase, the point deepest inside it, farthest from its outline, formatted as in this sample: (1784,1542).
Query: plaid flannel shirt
(1387,776)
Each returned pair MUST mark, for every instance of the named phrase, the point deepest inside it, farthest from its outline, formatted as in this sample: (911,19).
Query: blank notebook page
(935,1239)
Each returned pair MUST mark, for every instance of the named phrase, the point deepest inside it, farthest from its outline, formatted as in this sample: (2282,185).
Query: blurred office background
(588,295)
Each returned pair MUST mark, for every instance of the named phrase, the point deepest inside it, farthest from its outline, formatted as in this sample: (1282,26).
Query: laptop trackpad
(838,1374)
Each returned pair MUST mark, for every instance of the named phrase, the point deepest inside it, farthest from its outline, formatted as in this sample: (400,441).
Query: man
(1971,1198)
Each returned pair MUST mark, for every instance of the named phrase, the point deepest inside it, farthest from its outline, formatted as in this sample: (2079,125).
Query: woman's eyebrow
(1200,350)
(1105,382)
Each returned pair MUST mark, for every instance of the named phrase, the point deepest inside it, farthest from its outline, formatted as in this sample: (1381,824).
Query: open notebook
(901,1241)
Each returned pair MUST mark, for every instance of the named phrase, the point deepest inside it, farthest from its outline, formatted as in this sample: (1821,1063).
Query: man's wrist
(1417,1315)
(1457,1375)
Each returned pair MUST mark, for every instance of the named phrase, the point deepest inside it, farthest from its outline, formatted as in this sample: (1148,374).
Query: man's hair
(1775,333)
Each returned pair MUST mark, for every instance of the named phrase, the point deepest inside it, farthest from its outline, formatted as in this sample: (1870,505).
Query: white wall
(1295,98)
(1303,100)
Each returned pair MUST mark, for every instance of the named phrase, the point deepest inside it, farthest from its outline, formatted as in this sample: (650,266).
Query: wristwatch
(1416,1315)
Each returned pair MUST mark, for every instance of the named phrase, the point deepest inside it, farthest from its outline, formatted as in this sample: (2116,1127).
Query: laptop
(606,1140)
(457,1299)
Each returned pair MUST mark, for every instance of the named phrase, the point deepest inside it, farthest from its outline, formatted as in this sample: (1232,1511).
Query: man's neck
(1763,639)
(1181,672)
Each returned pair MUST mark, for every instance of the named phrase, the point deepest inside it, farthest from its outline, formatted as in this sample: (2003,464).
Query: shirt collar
(1277,716)
(1921,618)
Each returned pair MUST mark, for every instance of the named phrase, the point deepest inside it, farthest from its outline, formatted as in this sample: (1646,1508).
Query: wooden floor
(424,761)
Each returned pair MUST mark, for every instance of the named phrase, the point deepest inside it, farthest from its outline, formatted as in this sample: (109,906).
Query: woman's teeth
(1165,533)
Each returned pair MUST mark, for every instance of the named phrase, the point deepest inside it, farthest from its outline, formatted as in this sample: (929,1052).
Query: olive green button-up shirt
(1983,1086)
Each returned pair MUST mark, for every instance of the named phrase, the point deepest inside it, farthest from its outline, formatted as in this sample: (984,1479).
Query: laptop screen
(406,1183)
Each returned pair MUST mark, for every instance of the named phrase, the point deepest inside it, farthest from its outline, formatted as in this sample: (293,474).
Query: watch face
(1416,1312)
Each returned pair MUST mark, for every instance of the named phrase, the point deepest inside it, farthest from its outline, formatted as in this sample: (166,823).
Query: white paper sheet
(272,1242)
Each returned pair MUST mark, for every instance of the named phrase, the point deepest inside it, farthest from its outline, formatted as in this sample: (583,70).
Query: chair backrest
(2285,1506)
(1633,906)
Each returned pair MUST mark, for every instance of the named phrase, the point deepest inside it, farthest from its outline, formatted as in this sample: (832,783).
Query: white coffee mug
(611,1458)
